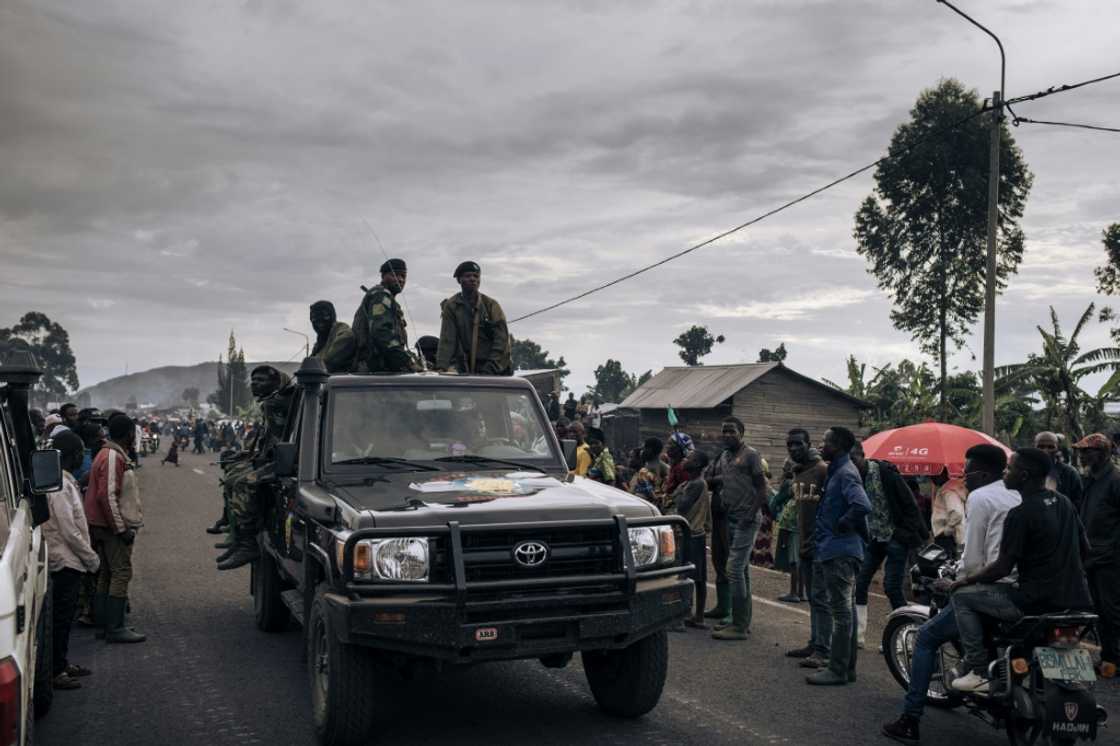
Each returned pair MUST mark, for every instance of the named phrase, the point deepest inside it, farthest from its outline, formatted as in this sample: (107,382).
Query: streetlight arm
(306,340)
(986,30)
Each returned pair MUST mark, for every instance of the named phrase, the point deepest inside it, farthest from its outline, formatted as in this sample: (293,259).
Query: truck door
(22,580)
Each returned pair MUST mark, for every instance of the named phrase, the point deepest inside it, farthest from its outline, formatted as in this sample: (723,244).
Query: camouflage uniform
(380,335)
(249,471)
(337,352)
(474,340)
(244,509)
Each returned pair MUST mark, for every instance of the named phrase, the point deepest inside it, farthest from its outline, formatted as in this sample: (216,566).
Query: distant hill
(164,386)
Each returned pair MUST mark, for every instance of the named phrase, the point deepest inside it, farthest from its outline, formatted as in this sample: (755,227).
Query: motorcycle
(149,444)
(1041,675)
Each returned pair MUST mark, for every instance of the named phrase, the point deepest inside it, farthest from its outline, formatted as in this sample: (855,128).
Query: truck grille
(571,551)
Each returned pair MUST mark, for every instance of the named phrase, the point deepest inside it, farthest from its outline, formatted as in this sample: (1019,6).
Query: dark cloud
(176,173)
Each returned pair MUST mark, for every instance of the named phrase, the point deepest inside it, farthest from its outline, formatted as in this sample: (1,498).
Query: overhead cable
(1060,89)
(752,221)
(1023,120)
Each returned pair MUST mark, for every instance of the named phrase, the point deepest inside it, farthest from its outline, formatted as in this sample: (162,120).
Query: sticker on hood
(519,483)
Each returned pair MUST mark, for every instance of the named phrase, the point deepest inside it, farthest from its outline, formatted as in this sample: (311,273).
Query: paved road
(207,676)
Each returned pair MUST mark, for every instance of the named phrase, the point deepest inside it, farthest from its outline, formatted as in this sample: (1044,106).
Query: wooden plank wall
(777,402)
(769,408)
(702,425)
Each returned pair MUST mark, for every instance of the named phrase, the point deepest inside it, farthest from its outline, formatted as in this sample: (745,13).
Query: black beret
(465,267)
(323,305)
(394,265)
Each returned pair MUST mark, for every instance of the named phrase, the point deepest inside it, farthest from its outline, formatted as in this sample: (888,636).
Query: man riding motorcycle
(1044,540)
(989,500)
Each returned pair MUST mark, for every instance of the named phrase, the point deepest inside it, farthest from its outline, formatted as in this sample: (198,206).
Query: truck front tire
(628,682)
(343,682)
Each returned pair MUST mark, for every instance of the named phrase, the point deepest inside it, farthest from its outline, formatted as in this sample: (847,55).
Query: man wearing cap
(473,336)
(1100,514)
(334,342)
(1063,478)
(380,336)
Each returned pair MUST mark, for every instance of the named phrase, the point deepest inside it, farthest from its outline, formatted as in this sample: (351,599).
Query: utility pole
(988,416)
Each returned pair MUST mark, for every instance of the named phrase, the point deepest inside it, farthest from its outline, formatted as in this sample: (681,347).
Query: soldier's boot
(219,526)
(115,631)
(245,551)
(722,608)
(228,553)
(229,544)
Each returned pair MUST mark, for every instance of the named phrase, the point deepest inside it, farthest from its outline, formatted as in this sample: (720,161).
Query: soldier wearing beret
(473,336)
(380,336)
(334,342)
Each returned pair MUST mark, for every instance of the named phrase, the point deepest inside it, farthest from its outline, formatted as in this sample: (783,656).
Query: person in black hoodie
(896,527)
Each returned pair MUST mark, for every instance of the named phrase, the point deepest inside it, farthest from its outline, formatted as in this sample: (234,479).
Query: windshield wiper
(386,461)
(471,459)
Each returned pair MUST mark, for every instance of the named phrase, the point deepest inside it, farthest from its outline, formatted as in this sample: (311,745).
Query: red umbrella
(927,448)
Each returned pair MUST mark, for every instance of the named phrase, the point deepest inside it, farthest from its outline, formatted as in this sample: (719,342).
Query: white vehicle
(25,627)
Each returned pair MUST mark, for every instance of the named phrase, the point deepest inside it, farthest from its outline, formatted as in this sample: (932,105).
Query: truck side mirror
(285,459)
(46,471)
(569,447)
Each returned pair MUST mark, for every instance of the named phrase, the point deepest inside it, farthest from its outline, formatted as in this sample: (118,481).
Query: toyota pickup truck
(427,520)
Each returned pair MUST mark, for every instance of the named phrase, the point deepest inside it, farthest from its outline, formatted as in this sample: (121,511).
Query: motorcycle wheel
(899,640)
(1022,732)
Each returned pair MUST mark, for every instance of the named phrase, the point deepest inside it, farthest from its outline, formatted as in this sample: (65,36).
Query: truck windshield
(429,423)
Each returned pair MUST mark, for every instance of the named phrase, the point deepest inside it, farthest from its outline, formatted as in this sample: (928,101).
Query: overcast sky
(171,170)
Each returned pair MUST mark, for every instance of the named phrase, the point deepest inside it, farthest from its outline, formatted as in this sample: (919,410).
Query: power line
(1060,89)
(672,257)
(1023,120)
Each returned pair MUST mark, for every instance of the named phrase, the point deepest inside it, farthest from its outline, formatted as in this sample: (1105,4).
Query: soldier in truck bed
(473,336)
(379,327)
(334,342)
(246,480)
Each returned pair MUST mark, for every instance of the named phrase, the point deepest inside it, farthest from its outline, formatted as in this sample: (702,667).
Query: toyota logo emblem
(530,553)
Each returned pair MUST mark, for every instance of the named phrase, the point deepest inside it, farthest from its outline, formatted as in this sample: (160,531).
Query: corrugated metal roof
(707,386)
(702,387)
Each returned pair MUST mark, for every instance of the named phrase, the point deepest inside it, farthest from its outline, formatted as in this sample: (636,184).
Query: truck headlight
(653,544)
(404,558)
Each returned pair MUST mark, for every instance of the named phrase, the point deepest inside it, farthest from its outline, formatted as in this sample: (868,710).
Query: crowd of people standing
(93,526)
(841,517)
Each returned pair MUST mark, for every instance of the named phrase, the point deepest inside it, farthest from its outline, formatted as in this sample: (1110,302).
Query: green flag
(672,417)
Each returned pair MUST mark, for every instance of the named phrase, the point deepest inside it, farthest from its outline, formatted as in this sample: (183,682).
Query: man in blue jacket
(840,533)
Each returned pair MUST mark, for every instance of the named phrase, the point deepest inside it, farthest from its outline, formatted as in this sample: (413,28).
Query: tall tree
(1057,372)
(695,343)
(190,396)
(1108,274)
(777,355)
(233,392)
(50,344)
(528,355)
(613,384)
(923,230)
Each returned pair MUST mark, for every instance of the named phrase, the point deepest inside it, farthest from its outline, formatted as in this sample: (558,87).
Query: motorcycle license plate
(1065,665)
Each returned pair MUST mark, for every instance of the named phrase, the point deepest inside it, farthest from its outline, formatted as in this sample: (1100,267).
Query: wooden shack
(769,398)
